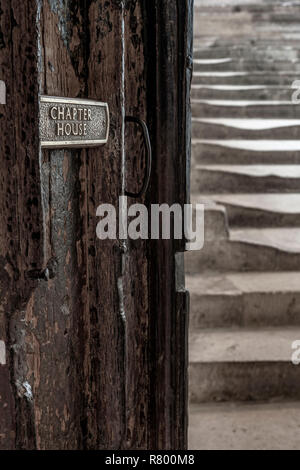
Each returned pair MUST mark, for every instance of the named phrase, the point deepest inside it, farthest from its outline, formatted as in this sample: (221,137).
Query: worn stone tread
(247,426)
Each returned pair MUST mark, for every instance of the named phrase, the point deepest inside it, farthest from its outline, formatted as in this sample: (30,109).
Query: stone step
(244,426)
(259,11)
(238,6)
(235,8)
(246,42)
(285,240)
(254,210)
(233,26)
(242,152)
(226,64)
(284,78)
(243,92)
(257,299)
(248,249)
(243,364)
(240,129)
(277,52)
(216,224)
(246,179)
(246,24)
(246,49)
(233,4)
(245,109)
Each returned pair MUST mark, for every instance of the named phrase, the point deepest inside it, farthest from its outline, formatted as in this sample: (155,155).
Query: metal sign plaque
(68,122)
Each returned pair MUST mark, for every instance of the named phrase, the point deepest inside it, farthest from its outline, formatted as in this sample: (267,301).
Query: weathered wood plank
(168,99)
(95,333)
(7,221)
(136,257)
(67,367)
(82,56)
(20,209)
(104,184)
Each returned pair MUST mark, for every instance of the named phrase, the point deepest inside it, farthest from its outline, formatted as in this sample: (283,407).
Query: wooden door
(93,333)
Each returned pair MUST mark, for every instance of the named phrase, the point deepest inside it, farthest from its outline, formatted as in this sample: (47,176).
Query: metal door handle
(147,143)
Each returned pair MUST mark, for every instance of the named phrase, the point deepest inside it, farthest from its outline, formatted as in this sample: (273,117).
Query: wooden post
(93,332)
(170,49)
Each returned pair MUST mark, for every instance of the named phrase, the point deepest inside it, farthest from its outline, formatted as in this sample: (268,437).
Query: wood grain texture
(104,177)
(169,53)
(94,330)
(61,309)
(136,290)
(87,405)
(20,209)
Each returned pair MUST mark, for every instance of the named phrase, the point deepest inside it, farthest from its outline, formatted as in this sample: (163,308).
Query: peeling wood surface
(95,344)
(20,211)
(168,100)
(85,324)
(136,259)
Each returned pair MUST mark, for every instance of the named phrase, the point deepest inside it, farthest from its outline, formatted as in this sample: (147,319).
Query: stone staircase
(245,283)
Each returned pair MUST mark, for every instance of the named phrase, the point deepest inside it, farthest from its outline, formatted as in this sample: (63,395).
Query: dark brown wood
(95,331)
(63,318)
(136,282)
(171,58)
(20,212)
(157,89)
(86,60)
(104,179)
